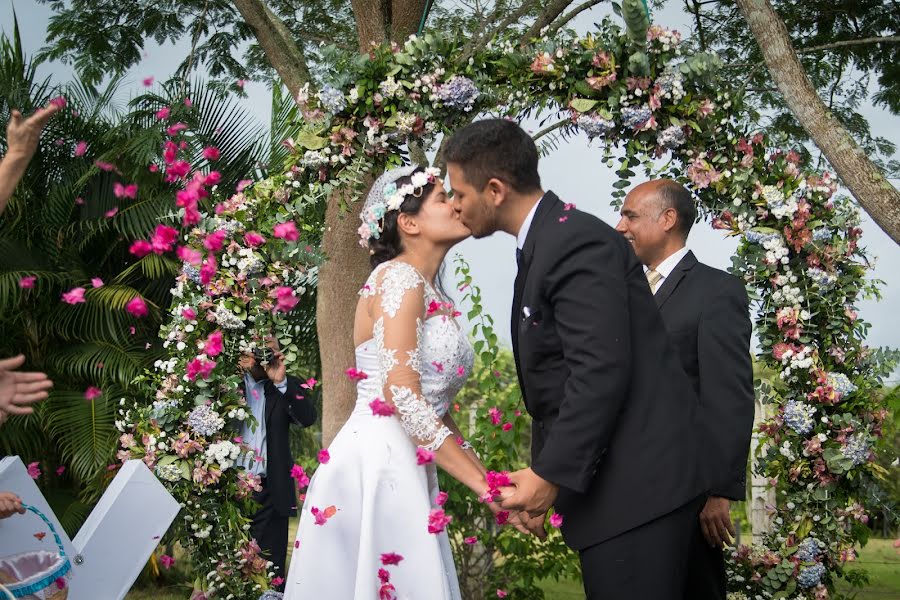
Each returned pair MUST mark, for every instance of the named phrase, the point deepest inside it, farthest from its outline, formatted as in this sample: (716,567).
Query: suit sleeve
(300,409)
(726,387)
(589,299)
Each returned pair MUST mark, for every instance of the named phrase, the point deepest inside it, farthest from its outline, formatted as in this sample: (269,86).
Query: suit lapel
(544,207)
(684,265)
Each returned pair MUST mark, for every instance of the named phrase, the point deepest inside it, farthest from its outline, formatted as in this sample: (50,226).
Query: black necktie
(518,257)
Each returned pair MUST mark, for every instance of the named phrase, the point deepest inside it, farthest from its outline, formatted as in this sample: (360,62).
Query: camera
(263,356)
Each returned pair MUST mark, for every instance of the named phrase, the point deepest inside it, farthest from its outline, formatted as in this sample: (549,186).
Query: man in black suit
(613,434)
(276,400)
(706,314)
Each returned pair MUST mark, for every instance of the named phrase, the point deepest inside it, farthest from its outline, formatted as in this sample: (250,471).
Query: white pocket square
(526,311)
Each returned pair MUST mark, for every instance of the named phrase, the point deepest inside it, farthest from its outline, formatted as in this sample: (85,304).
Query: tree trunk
(275,39)
(348,266)
(864,180)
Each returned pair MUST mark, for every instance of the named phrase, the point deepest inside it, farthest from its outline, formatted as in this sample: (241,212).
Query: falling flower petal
(60,470)
(556,520)
(34,470)
(96,282)
(355,374)
(380,408)
(104,166)
(140,248)
(74,296)
(390,558)
(80,148)
(299,476)
(148,81)
(253,239)
(163,113)
(59,101)
(92,392)
(111,212)
(175,128)
(438,520)
(323,456)
(423,456)
(441,498)
(137,307)
(27,281)
(211,153)
(242,184)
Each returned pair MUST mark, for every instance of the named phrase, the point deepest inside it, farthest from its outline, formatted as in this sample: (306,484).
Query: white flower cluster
(240,414)
(405,122)
(796,361)
(390,88)
(788,295)
(776,251)
(166,366)
(779,206)
(224,453)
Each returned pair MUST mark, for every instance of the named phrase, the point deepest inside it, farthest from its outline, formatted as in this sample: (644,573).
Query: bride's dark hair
(389,245)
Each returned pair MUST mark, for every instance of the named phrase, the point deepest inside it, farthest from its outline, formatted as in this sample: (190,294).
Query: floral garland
(247,265)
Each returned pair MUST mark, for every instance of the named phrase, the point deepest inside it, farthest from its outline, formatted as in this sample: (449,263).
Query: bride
(371,525)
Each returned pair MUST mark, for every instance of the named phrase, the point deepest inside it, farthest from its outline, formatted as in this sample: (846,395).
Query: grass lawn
(879,558)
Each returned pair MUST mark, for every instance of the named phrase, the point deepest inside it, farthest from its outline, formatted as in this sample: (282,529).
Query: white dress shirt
(665,267)
(526,225)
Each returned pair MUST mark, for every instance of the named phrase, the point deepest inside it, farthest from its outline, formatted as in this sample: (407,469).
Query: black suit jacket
(706,313)
(613,411)
(281,411)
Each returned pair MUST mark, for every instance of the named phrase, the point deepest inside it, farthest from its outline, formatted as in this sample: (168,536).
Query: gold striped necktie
(653,278)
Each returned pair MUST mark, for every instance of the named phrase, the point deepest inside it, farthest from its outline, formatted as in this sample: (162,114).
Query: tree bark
(275,39)
(864,180)
(347,266)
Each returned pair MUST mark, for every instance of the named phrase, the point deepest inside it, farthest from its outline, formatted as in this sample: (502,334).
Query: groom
(613,436)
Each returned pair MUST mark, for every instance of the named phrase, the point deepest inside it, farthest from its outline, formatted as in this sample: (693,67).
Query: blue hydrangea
(841,383)
(271,595)
(635,117)
(857,448)
(823,279)
(821,234)
(811,576)
(809,549)
(332,99)
(670,137)
(670,84)
(594,125)
(799,416)
(205,421)
(459,92)
(758,237)
(161,406)
(192,272)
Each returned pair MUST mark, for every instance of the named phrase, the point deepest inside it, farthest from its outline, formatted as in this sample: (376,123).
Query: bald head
(656,218)
(666,193)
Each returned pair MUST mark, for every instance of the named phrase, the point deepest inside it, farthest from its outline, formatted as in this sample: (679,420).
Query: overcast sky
(575,172)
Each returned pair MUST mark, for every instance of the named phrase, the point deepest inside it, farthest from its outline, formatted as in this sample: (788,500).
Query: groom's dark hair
(495,148)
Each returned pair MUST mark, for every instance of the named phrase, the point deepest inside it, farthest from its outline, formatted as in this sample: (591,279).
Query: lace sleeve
(399,308)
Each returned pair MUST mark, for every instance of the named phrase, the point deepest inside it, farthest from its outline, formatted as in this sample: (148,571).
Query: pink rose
(286,231)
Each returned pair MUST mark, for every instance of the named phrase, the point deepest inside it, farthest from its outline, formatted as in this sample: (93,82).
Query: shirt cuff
(281,387)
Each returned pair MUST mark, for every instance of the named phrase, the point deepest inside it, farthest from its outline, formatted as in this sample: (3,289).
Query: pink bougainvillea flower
(188,103)
(299,476)
(563,219)
(285,300)
(355,374)
(79,201)
(253,239)
(309,383)
(96,282)
(240,83)
(208,270)
(384,575)
(140,248)
(387,591)
(60,470)
(81,148)
(286,231)
(188,313)
(173,129)
(125,191)
(438,520)
(137,307)
(211,153)
(59,101)
(380,408)
(433,307)
(163,238)
(568,206)
(163,113)
(323,456)
(189,255)
(213,178)
(104,166)
(502,517)
(242,185)
(501,593)
(390,558)
(322,516)
(74,296)
(277,581)
(34,470)
(556,520)
(213,345)
(111,212)
(166,561)
(496,415)
(471,540)
(423,456)
(507,426)
(441,498)
(213,242)
(27,282)
(200,367)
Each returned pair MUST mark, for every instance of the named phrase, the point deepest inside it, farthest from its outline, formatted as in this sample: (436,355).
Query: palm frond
(100,362)
(83,430)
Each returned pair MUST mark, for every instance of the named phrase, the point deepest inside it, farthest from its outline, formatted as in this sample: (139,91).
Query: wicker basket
(37,575)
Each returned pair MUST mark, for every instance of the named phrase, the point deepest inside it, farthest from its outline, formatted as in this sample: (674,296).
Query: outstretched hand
(19,390)
(23,134)
(531,493)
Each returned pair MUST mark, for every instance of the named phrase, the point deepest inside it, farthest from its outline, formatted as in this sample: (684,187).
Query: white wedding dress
(419,358)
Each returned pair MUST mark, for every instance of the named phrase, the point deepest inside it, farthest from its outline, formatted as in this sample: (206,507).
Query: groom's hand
(533,494)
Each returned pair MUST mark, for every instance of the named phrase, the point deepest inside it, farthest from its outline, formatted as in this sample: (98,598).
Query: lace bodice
(418,357)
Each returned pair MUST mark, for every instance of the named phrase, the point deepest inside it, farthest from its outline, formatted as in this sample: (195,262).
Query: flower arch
(254,257)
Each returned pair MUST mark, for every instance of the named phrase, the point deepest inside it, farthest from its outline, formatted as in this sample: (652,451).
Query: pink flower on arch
(211,153)
(285,300)
(189,314)
(213,345)
(74,296)
(27,282)
(242,184)
(213,178)
(166,561)
(438,520)
(277,581)
(92,392)
(137,307)
(380,408)
(507,426)
(163,238)
(208,270)
(286,231)
(140,248)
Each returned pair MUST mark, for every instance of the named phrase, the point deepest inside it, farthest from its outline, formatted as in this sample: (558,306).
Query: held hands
(530,494)
(715,522)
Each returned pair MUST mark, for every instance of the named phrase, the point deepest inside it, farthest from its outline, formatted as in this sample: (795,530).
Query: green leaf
(583,104)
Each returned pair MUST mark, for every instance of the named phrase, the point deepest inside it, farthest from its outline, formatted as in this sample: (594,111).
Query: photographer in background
(276,400)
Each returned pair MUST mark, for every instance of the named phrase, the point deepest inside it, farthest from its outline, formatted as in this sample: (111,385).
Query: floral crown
(386,196)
